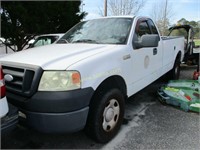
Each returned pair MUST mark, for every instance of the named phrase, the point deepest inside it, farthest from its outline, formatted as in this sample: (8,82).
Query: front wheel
(106,115)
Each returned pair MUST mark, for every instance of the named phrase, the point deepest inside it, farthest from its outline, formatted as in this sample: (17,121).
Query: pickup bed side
(172,46)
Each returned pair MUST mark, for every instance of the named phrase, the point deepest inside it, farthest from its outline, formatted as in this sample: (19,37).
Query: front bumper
(57,122)
(55,112)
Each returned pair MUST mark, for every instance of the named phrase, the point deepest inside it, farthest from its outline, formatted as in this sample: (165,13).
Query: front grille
(22,79)
(25,80)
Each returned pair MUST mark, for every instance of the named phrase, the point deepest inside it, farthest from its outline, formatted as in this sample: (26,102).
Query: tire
(175,72)
(105,115)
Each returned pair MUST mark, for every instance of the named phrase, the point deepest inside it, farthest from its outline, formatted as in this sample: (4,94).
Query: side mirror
(148,40)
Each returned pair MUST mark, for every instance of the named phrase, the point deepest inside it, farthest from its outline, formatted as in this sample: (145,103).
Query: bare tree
(162,13)
(123,7)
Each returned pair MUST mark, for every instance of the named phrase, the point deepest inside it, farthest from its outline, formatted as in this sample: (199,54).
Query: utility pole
(165,17)
(105,7)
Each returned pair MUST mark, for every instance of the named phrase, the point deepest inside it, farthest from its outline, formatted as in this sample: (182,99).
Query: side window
(141,29)
(42,41)
(152,27)
(45,40)
(144,26)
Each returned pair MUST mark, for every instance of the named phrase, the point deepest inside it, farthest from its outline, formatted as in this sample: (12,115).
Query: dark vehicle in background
(191,54)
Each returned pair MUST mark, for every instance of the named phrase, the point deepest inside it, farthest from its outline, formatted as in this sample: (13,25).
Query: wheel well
(114,82)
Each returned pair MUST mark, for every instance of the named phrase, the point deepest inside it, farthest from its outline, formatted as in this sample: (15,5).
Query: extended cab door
(146,61)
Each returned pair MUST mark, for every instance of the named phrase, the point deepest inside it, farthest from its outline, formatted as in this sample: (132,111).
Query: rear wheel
(106,115)
(175,72)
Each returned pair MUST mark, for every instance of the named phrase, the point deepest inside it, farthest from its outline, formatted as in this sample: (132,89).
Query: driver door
(146,61)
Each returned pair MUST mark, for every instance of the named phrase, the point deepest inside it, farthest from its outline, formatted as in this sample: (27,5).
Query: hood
(55,56)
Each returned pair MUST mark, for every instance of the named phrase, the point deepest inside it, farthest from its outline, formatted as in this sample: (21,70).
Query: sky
(188,9)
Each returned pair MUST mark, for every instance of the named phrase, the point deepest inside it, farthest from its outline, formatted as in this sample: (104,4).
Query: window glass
(140,30)
(153,27)
(44,40)
(101,31)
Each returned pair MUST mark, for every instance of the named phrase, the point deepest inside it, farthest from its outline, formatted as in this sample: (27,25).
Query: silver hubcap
(111,115)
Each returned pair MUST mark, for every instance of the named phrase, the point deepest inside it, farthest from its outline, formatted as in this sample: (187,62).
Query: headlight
(60,81)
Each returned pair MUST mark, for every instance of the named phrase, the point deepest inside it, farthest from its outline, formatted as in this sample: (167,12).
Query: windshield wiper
(85,41)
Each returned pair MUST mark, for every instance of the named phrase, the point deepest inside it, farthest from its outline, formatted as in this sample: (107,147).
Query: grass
(197,42)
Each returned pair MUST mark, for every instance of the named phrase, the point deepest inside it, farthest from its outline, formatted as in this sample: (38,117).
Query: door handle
(155,51)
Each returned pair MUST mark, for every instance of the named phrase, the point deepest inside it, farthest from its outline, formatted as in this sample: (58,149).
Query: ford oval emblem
(8,78)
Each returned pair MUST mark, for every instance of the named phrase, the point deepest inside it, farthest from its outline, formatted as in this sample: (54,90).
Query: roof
(123,16)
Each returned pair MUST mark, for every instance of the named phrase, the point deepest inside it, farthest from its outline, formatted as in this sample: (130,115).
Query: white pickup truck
(82,81)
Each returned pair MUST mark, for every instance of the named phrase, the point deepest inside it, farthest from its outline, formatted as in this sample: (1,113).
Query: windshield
(99,31)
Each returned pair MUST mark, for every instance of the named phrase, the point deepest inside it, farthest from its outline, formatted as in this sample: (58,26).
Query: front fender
(94,70)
